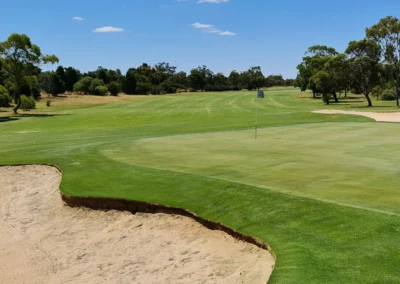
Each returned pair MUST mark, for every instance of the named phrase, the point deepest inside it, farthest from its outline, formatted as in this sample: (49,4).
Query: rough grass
(311,194)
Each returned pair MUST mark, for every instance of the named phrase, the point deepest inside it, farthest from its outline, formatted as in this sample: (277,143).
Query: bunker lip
(100,203)
(378,116)
(111,204)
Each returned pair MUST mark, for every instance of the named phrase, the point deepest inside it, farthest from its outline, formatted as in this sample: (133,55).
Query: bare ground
(378,116)
(44,241)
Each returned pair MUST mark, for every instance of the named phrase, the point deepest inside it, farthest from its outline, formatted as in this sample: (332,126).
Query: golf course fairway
(321,190)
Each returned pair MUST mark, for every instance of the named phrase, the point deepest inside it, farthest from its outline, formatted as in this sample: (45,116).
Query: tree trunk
(368,99)
(345,93)
(17,101)
(325,98)
(335,97)
(314,96)
(397,94)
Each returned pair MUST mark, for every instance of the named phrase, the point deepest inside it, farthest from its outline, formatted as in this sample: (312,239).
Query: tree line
(21,77)
(159,79)
(370,66)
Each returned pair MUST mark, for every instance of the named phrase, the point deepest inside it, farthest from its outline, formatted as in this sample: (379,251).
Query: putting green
(354,164)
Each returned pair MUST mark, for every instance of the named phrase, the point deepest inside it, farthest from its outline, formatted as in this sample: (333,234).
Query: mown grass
(193,151)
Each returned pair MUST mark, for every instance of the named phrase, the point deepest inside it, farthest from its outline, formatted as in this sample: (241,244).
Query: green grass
(336,163)
(322,190)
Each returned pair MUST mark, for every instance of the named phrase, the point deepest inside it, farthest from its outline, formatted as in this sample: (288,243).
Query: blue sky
(232,35)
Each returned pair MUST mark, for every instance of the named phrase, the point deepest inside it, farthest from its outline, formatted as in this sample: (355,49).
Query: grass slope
(129,149)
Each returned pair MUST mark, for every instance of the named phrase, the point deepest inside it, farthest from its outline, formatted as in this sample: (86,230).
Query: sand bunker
(378,116)
(44,241)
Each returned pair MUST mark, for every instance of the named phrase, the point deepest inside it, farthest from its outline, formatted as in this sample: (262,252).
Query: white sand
(44,241)
(378,116)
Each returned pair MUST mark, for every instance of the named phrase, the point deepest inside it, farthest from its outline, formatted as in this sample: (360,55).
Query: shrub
(377,92)
(143,88)
(325,98)
(83,85)
(27,103)
(51,83)
(156,90)
(114,88)
(168,87)
(216,88)
(93,87)
(101,91)
(178,91)
(5,98)
(48,103)
(388,95)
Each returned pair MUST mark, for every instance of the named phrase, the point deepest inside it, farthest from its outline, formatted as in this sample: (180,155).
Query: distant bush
(83,85)
(168,87)
(48,103)
(217,88)
(356,91)
(178,91)
(51,83)
(27,103)
(93,87)
(101,91)
(143,88)
(114,88)
(388,95)
(156,90)
(377,92)
(5,98)
(234,88)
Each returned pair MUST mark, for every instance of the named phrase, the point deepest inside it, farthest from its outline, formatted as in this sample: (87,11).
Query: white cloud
(108,30)
(202,26)
(227,33)
(77,19)
(211,29)
(212,1)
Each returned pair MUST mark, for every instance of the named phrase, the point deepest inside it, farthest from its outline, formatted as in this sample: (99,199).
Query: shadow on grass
(7,119)
(38,115)
(342,102)
(27,115)
(368,107)
(350,98)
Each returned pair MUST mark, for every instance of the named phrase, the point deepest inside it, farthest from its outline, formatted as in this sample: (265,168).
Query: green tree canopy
(364,63)
(51,83)
(20,57)
(386,33)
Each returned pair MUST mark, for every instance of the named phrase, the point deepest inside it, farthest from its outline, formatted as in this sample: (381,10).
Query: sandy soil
(378,116)
(44,241)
